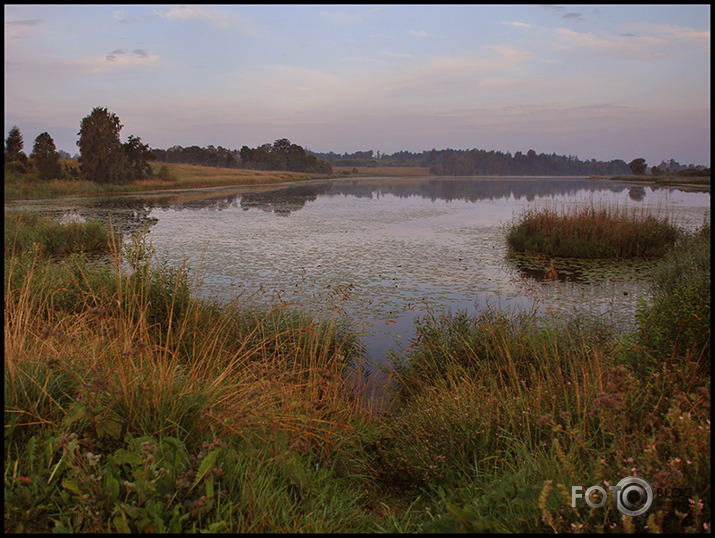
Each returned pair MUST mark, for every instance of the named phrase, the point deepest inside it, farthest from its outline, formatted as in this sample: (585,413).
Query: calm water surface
(382,251)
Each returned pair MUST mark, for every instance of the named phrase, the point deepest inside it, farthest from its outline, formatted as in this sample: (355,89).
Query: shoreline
(190,177)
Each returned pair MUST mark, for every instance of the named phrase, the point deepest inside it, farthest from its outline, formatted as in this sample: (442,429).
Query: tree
(15,159)
(138,156)
(638,166)
(46,158)
(102,157)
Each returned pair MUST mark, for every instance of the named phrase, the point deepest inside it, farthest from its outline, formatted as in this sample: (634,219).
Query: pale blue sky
(597,81)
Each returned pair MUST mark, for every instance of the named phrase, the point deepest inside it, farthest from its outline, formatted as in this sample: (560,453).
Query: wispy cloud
(517,24)
(418,33)
(21,28)
(683,36)
(216,17)
(133,57)
(645,46)
(27,22)
(640,40)
(192,13)
(445,79)
(400,55)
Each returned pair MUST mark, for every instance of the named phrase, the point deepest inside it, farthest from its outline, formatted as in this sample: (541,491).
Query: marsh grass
(25,231)
(592,230)
(132,406)
(102,357)
(506,411)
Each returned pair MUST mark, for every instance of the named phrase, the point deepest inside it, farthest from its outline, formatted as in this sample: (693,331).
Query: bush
(677,320)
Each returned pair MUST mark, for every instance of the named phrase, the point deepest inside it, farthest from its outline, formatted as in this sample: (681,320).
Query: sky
(598,82)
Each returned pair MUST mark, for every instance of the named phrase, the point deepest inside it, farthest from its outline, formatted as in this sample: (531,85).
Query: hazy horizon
(599,82)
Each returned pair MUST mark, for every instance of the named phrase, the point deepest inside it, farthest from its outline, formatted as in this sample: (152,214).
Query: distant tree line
(104,159)
(451,162)
(208,156)
(281,155)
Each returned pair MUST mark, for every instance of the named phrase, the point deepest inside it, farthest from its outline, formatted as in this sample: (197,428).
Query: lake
(384,251)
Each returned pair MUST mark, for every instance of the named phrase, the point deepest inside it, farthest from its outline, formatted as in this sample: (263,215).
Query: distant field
(383,171)
(208,176)
(665,181)
(175,176)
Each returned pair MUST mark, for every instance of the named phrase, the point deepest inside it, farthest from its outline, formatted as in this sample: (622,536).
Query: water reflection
(402,246)
(132,212)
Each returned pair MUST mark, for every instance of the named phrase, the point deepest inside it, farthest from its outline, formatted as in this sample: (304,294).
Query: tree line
(451,162)
(105,159)
(281,155)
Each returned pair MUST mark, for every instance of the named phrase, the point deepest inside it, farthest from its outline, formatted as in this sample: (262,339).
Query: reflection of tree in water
(130,214)
(636,193)
(473,189)
(283,201)
(543,268)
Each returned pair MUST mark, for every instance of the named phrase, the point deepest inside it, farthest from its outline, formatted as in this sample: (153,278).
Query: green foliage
(146,485)
(13,144)
(27,231)
(102,156)
(15,160)
(164,174)
(283,155)
(46,158)
(638,166)
(677,319)
(138,156)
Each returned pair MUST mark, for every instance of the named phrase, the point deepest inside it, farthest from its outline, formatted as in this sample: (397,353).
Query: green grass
(26,231)
(131,406)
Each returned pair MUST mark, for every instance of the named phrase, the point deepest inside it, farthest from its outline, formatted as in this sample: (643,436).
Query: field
(175,176)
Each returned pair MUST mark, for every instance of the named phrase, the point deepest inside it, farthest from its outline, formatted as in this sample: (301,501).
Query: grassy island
(592,232)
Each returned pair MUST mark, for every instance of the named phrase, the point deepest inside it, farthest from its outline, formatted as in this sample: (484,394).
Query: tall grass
(96,359)
(132,406)
(592,231)
(25,231)
(506,411)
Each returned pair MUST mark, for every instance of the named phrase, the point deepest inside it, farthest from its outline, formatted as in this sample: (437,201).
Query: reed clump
(592,231)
